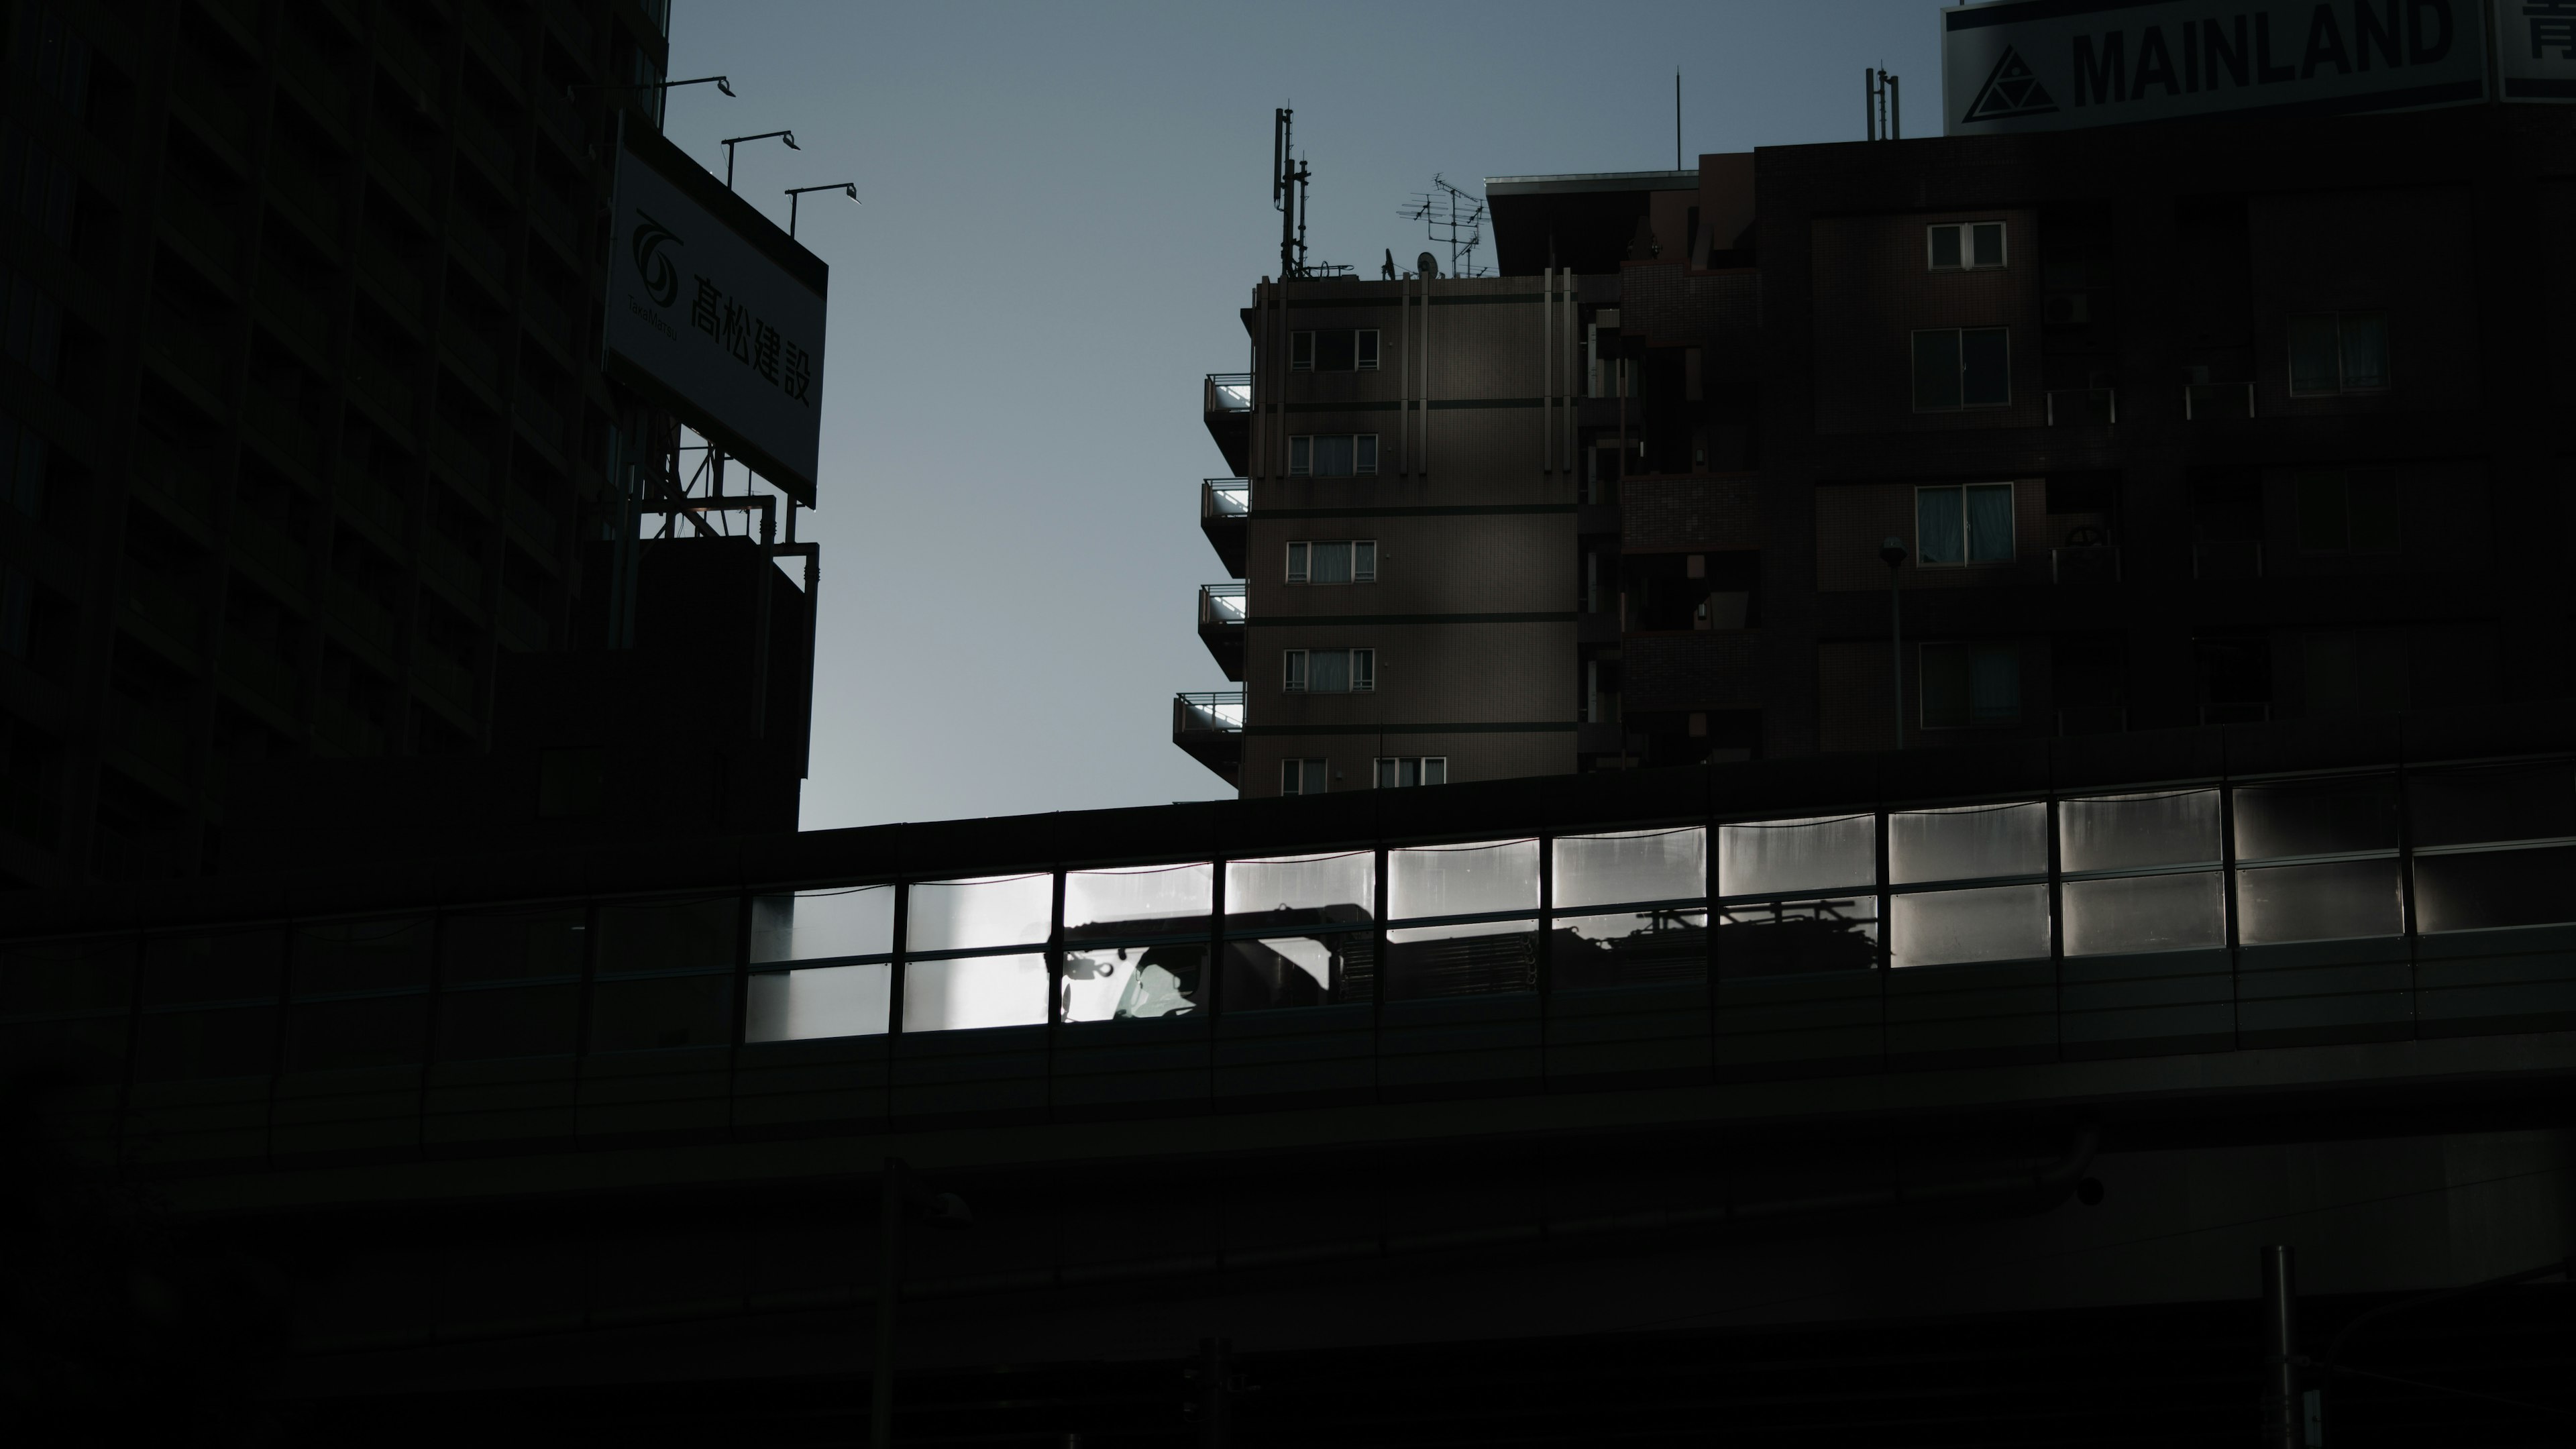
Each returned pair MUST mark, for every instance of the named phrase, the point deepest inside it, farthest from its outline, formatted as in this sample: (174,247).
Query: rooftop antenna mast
(1451,215)
(1288,177)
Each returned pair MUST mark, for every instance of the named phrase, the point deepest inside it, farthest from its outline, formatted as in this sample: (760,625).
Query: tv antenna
(1451,215)
(1288,178)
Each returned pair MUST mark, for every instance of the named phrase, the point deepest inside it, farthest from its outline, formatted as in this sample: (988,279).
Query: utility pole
(2283,1412)
(890,1211)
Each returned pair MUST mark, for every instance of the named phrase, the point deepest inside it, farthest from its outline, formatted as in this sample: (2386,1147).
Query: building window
(1342,349)
(1412,770)
(1332,455)
(1963,524)
(1328,671)
(1958,368)
(1970,685)
(1301,777)
(2354,512)
(2338,352)
(1353,562)
(1964,246)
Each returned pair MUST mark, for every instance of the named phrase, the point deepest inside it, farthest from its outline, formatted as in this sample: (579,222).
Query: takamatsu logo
(661,279)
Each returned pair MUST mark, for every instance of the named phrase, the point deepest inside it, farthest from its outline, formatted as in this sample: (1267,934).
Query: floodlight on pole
(719,82)
(793,192)
(787,136)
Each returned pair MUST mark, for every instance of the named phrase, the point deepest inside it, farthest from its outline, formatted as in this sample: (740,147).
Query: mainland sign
(715,314)
(2041,65)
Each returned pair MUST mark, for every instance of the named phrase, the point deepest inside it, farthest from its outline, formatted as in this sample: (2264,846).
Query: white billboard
(2536,50)
(2046,65)
(715,314)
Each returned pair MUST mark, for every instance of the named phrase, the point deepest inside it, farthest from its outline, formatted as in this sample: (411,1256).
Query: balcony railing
(2084,564)
(1229,417)
(1208,712)
(1225,506)
(2202,401)
(1221,606)
(2083,407)
(1221,620)
(1229,392)
(2093,719)
(2226,558)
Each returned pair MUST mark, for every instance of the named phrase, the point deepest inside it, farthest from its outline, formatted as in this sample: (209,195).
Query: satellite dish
(1427,264)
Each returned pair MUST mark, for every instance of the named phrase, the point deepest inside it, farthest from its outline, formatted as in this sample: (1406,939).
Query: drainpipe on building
(1891,551)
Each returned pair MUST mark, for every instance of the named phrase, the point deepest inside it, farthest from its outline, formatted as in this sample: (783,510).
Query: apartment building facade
(2193,424)
(303,399)
(1405,502)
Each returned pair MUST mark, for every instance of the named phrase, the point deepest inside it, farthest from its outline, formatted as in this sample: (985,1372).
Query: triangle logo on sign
(2012,90)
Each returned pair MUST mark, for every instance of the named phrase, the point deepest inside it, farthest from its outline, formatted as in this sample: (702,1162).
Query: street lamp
(1891,552)
(718,81)
(794,192)
(787,136)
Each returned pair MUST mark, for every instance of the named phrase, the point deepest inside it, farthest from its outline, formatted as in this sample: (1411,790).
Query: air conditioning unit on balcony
(2066,308)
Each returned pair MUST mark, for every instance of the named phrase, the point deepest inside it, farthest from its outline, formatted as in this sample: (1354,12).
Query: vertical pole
(1868,104)
(1895,110)
(889,1279)
(1677,120)
(1896,647)
(2282,1428)
(1214,1371)
(792,199)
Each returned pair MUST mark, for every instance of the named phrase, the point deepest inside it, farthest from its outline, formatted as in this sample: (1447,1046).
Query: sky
(1062,209)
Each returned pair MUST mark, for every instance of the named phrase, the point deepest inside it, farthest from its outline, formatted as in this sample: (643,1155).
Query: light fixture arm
(730,142)
(719,82)
(795,192)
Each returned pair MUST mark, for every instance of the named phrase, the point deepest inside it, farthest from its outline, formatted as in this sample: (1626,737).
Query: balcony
(361,617)
(345,731)
(532,518)
(285,430)
(2226,558)
(459,457)
(1221,626)
(453,570)
(486,34)
(372,507)
(1209,728)
(1224,506)
(523,626)
(409,65)
(2095,563)
(1228,406)
(2083,407)
(398,279)
(2203,401)
(444,681)
(190,351)
(488,143)
(169,609)
(542,419)
(2093,719)
(383,384)
(315,74)
(267,677)
(270,550)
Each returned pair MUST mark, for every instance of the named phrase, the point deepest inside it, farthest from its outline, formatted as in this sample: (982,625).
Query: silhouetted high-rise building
(305,429)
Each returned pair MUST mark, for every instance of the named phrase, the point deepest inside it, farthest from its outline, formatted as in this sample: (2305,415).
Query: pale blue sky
(1063,206)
